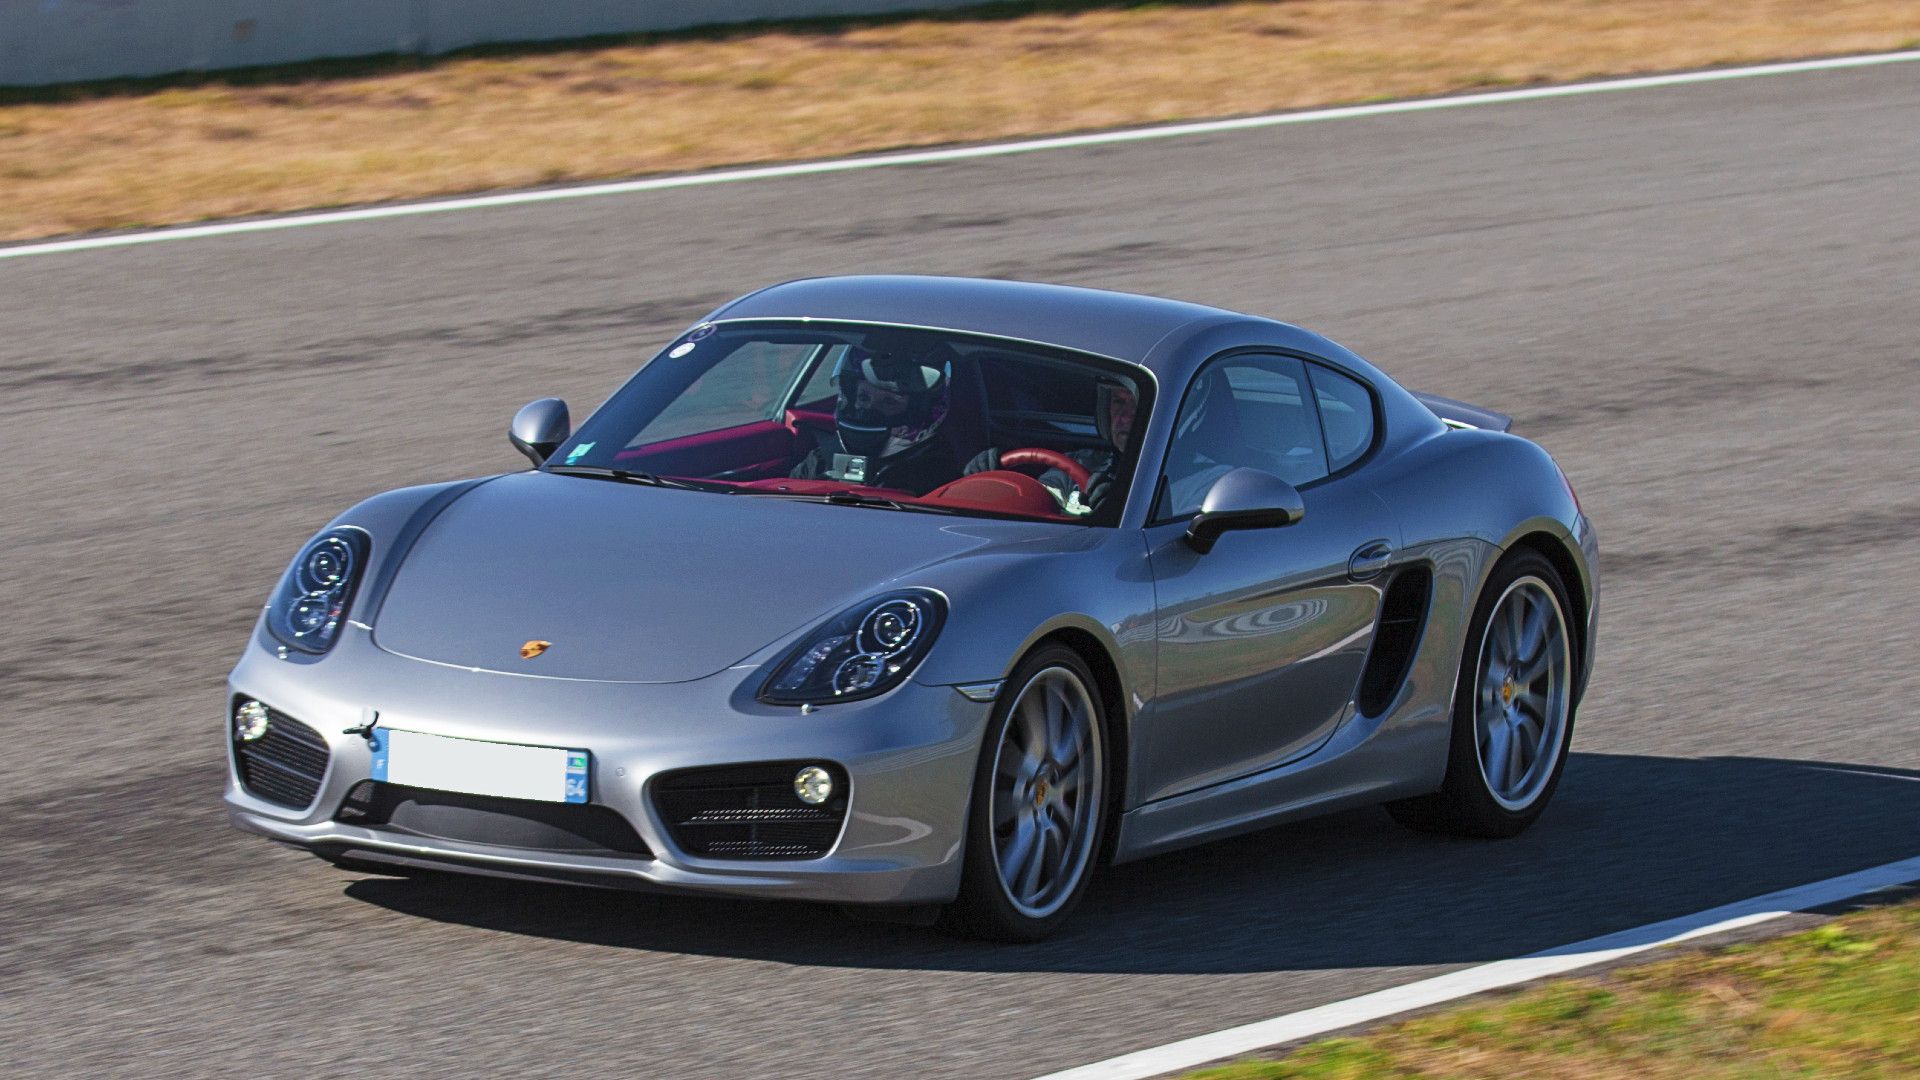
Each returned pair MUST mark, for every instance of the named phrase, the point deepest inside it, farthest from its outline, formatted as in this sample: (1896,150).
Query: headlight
(865,650)
(314,593)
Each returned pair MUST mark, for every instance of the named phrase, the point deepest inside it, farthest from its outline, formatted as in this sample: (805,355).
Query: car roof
(1124,326)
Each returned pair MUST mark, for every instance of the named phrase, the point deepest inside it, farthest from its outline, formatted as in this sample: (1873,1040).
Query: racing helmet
(890,387)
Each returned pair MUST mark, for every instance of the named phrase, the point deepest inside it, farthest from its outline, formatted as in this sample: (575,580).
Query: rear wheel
(1512,709)
(1039,802)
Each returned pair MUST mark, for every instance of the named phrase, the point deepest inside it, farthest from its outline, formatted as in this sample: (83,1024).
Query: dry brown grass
(223,148)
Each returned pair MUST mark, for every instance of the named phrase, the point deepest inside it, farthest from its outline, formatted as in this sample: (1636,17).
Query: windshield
(916,419)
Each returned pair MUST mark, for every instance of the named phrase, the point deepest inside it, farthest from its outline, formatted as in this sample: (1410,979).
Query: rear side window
(1346,415)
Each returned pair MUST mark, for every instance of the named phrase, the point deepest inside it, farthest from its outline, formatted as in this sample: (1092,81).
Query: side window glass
(820,385)
(1346,414)
(1247,411)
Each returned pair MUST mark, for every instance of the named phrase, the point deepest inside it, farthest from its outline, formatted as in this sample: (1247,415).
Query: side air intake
(1403,615)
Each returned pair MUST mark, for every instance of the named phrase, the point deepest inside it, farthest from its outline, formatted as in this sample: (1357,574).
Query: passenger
(891,403)
(1114,407)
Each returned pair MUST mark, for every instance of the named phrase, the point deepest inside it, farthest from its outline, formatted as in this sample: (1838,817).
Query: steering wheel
(1047,459)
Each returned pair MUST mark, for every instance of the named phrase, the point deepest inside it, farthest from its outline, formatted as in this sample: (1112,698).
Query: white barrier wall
(55,41)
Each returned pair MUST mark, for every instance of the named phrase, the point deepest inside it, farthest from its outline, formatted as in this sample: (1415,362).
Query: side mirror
(1244,499)
(539,428)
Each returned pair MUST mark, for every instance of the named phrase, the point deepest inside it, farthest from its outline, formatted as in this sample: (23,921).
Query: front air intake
(284,764)
(563,828)
(749,811)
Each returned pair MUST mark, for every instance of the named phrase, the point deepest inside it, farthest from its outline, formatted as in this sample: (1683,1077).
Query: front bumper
(909,757)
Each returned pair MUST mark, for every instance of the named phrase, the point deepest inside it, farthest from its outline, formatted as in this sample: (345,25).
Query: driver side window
(820,386)
(1248,410)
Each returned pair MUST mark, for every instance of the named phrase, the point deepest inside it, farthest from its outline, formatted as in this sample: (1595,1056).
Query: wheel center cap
(1040,792)
(1506,692)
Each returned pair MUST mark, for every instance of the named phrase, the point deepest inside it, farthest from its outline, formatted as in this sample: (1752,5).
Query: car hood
(639,584)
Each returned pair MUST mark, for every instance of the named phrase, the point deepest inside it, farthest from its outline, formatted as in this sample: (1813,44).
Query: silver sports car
(933,594)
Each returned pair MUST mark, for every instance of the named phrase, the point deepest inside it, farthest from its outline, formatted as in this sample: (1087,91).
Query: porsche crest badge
(534,648)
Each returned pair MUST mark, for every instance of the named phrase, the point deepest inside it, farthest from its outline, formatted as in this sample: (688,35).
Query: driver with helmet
(893,396)
(1115,405)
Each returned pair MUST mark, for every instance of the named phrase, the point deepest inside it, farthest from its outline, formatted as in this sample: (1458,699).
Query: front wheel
(1039,802)
(1512,711)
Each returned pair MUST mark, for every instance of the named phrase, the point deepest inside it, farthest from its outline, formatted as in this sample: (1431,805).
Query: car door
(1263,638)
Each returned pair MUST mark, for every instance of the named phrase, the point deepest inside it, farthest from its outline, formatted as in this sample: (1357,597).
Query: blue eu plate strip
(576,776)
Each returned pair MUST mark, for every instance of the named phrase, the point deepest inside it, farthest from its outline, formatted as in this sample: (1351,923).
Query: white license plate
(472,767)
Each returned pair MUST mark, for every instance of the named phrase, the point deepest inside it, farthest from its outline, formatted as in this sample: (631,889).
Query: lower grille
(283,766)
(571,828)
(749,812)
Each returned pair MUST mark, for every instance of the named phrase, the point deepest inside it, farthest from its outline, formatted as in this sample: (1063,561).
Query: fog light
(249,721)
(813,784)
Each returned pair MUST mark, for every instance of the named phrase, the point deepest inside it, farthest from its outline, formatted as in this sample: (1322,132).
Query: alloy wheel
(1048,780)
(1521,696)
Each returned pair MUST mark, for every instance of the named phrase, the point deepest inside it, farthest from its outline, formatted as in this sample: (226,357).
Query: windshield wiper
(846,498)
(855,498)
(630,476)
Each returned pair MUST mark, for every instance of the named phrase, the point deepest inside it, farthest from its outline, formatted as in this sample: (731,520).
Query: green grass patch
(1838,1001)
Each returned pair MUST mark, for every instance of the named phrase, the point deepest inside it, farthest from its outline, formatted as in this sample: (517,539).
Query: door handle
(1369,559)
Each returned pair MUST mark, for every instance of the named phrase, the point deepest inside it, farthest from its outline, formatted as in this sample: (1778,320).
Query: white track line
(958,153)
(1233,1042)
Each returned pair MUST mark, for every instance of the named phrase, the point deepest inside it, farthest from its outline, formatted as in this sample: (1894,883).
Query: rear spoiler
(1461,414)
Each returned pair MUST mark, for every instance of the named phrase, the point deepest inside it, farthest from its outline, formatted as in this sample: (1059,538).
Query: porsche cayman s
(932,594)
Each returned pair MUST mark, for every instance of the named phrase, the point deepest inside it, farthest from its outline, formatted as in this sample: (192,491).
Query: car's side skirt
(1352,769)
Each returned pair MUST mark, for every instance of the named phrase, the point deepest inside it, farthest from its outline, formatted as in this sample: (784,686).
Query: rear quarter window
(1346,415)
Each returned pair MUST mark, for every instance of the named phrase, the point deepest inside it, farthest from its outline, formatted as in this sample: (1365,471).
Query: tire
(1499,710)
(1037,819)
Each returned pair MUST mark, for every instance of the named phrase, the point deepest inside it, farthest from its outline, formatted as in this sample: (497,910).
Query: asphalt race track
(1705,300)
